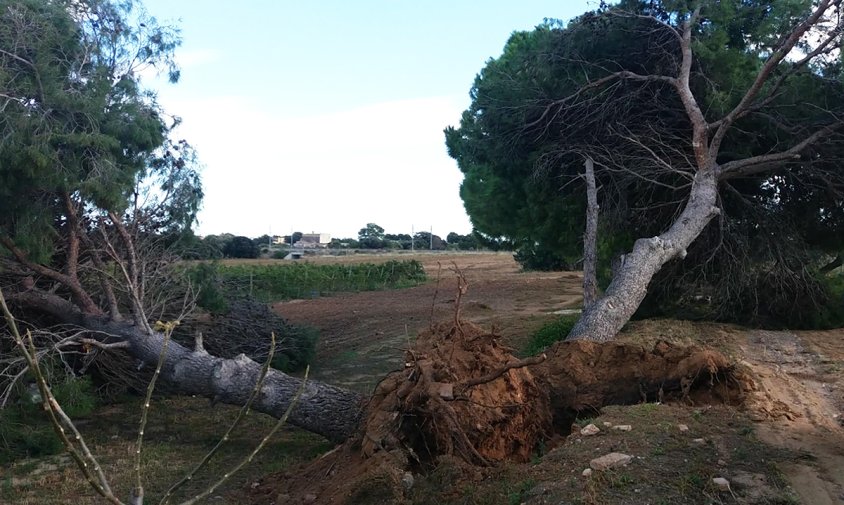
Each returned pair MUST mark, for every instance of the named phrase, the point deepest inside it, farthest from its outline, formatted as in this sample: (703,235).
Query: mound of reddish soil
(464,397)
(587,375)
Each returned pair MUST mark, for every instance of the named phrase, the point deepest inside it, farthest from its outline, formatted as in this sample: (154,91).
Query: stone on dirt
(721,483)
(683,428)
(611,460)
(587,472)
(407,481)
(623,427)
(590,430)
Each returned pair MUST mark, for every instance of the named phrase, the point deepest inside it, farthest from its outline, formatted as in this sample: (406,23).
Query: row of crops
(307,280)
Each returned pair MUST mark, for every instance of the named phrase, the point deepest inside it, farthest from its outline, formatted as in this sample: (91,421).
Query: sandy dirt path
(800,403)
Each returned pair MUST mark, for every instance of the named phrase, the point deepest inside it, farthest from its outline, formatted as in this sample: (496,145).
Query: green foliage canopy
(77,127)
(536,113)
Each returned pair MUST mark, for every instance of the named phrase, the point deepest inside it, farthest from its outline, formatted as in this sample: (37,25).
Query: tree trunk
(602,320)
(327,410)
(590,238)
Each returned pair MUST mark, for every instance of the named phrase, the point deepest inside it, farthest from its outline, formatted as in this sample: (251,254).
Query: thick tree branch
(682,85)
(81,297)
(590,237)
(72,267)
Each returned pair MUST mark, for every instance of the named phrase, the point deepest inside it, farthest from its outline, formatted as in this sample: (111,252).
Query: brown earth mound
(464,397)
(584,376)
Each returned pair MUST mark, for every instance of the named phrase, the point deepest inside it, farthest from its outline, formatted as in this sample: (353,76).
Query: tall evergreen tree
(604,87)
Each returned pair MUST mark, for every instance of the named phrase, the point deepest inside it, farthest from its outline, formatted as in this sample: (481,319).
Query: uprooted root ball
(461,393)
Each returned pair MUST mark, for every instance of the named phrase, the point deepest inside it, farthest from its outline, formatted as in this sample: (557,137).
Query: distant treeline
(372,236)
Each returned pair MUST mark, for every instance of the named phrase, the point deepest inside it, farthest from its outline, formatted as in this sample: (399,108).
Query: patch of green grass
(24,429)
(644,409)
(516,495)
(550,333)
(620,480)
(180,432)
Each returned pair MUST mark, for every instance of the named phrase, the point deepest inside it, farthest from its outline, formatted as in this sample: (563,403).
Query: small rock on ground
(407,481)
(721,483)
(589,430)
(623,427)
(611,460)
(683,428)
(587,472)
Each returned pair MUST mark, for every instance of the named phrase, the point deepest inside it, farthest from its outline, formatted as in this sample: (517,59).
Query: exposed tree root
(460,393)
(464,397)
(585,376)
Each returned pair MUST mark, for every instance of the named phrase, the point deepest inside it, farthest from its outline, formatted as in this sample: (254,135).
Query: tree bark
(602,320)
(326,410)
(323,409)
(590,238)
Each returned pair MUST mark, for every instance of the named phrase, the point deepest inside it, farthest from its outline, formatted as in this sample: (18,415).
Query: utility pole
(412,239)
(432,237)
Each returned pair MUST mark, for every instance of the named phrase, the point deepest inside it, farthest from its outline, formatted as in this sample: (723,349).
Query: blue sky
(326,115)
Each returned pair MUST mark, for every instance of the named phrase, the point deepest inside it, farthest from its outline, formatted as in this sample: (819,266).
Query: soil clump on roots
(464,398)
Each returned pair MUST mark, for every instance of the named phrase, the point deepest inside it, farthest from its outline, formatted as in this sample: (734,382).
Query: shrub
(24,429)
(205,278)
(552,332)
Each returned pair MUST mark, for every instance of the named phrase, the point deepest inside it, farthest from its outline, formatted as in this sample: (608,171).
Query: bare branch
(757,164)
(86,461)
(682,84)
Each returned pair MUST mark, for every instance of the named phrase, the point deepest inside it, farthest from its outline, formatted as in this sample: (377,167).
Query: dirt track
(801,381)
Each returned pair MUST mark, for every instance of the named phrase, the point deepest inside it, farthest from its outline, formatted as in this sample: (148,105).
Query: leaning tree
(689,110)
